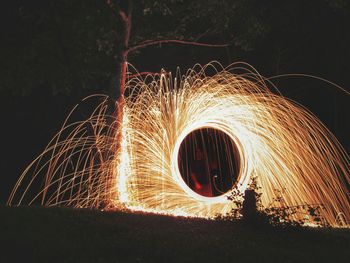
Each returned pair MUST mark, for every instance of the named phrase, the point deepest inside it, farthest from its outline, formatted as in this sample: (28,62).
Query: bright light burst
(283,145)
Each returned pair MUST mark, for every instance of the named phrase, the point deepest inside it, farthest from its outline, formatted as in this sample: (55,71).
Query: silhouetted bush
(249,209)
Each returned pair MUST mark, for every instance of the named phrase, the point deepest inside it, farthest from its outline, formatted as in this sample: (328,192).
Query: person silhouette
(200,174)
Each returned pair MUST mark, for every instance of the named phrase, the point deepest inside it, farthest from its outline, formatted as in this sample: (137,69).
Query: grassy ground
(68,235)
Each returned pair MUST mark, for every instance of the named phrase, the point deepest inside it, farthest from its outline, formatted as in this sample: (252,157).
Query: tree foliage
(71,47)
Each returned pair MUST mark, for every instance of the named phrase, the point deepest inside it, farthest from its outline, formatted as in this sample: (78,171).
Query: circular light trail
(286,148)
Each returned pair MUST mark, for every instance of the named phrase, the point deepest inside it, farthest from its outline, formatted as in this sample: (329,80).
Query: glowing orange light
(279,142)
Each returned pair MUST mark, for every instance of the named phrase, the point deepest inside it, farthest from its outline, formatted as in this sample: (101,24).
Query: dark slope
(68,235)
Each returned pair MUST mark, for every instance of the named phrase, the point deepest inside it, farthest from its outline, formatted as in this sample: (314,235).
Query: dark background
(54,53)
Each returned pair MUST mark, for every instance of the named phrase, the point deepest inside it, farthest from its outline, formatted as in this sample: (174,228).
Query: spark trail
(279,142)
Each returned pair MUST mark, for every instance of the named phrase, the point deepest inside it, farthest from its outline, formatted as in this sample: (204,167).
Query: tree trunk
(122,11)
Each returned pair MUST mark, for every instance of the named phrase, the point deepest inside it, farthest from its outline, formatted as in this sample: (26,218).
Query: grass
(32,234)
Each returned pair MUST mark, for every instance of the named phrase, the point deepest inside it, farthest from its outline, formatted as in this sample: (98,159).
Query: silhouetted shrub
(249,209)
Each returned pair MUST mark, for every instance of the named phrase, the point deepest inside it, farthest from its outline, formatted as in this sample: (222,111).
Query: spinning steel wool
(275,140)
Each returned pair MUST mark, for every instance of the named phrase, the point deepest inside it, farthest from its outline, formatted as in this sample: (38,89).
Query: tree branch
(203,34)
(118,11)
(112,6)
(123,15)
(167,41)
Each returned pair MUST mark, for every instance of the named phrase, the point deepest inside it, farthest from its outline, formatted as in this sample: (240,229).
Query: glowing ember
(280,143)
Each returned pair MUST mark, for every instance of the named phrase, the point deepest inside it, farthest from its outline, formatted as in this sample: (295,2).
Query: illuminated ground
(66,235)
